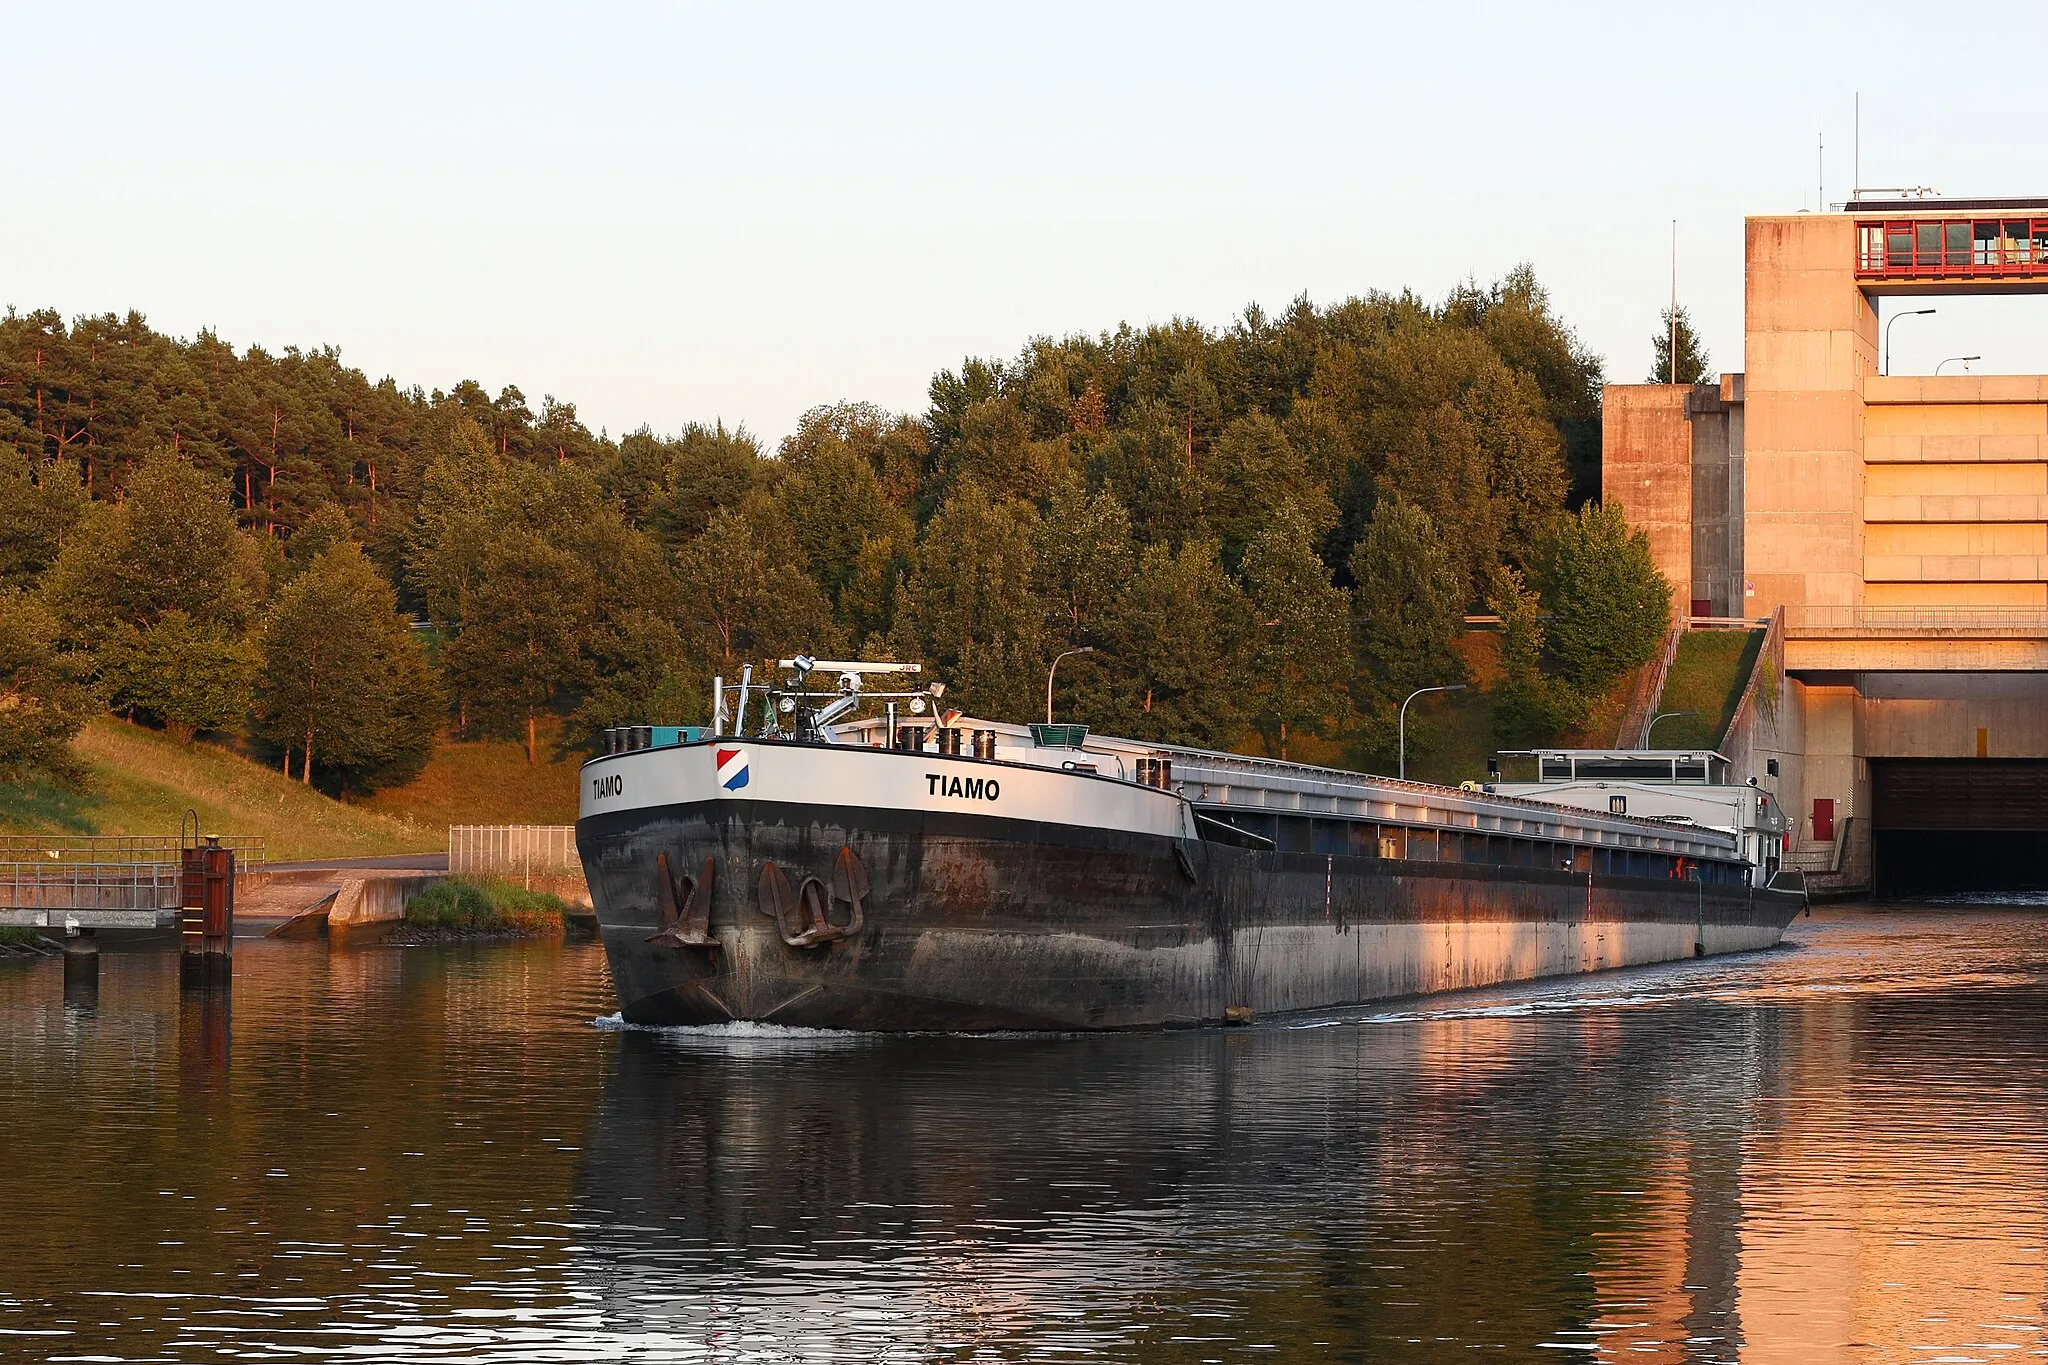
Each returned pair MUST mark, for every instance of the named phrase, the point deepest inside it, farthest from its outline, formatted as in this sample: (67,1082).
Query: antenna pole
(1857,186)
(1672,366)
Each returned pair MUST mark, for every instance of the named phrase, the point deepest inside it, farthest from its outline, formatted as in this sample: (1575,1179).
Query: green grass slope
(143,782)
(487,783)
(1707,676)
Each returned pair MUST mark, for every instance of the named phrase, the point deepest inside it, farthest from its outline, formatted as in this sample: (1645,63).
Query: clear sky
(676,212)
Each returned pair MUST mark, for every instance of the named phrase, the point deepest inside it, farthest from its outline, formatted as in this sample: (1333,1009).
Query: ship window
(1927,246)
(1362,839)
(1898,246)
(1329,836)
(1555,770)
(1294,834)
(1422,846)
(1870,247)
(1393,841)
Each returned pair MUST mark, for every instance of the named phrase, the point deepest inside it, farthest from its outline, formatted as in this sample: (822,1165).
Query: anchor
(688,924)
(850,884)
(804,907)
(803,917)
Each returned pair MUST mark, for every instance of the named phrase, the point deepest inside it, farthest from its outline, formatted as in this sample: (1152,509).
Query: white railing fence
(513,850)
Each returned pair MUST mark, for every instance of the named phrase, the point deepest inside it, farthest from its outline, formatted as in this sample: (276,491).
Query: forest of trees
(1268,532)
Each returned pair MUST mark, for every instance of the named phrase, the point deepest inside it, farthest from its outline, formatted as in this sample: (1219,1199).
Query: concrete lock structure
(1893,528)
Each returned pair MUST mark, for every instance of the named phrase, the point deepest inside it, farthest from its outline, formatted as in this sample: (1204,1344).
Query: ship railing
(1335,794)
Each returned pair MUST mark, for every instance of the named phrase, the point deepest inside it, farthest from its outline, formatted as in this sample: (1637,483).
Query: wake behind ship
(890,873)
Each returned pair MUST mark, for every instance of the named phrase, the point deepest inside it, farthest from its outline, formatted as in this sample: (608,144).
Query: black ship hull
(974,922)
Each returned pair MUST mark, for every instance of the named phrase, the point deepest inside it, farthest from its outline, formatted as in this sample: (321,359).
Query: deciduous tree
(1609,606)
(42,702)
(1300,642)
(344,680)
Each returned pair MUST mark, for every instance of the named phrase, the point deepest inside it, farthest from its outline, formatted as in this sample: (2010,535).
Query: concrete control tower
(1894,526)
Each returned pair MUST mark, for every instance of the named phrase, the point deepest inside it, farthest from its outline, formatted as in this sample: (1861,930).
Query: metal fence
(513,850)
(51,851)
(1810,622)
(50,886)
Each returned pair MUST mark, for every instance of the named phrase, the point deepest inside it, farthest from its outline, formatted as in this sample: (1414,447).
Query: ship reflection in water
(1833,1151)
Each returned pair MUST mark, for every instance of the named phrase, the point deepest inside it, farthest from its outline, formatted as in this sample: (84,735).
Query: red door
(1824,818)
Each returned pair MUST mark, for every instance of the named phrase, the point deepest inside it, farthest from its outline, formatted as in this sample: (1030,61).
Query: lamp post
(1401,724)
(1886,366)
(1661,715)
(1083,649)
(1966,359)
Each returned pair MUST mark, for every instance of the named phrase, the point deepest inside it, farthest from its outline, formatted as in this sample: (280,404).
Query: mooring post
(207,914)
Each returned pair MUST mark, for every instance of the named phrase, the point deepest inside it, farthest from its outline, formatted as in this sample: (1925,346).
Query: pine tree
(1694,367)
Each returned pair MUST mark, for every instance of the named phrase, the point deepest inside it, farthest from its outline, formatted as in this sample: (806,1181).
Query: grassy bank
(143,782)
(484,905)
(487,783)
(1707,676)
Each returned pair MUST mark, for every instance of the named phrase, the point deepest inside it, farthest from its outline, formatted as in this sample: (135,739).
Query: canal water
(1828,1152)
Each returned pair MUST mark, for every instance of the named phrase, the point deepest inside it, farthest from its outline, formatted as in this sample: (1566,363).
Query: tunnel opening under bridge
(1973,827)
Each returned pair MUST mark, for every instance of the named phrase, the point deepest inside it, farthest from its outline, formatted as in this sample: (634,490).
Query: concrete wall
(1811,345)
(1646,466)
(1944,715)
(1956,491)
(1716,419)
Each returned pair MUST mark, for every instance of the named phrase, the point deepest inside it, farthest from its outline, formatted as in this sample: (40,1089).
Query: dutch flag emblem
(732,768)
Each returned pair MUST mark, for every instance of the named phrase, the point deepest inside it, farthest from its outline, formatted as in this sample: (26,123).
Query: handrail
(118,849)
(1642,702)
(1763,673)
(90,886)
(1823,622)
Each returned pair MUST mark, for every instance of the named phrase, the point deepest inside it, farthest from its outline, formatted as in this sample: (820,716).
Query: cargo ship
(913,869)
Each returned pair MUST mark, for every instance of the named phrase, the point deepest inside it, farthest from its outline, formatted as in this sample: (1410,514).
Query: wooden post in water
(206,919)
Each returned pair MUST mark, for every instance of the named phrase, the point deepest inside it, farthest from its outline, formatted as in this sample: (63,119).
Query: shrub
(484,905)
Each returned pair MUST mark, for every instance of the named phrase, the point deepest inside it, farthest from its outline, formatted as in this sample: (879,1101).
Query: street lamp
(1966,359)
(1661,715)
(1084,649)
(1885,367)
(1401,725)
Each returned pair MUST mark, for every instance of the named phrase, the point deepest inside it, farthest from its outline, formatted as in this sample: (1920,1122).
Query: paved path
(417,862)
